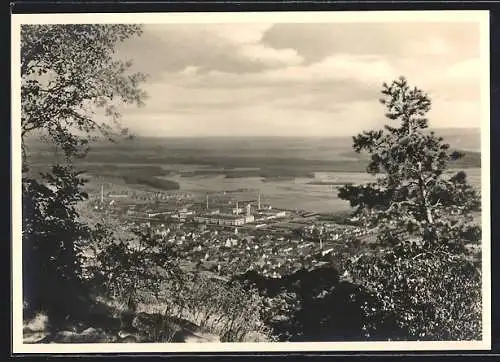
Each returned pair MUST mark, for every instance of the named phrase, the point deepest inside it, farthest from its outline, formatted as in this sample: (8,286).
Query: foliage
(69,71)
(311,305)
(223,308)
(412,194)
(423,277)
(433,296)
(121,268)
(143,273)
(51,236)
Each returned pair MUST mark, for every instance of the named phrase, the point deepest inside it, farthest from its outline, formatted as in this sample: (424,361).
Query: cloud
(298,79)
(264,119)
(345,70)
(247,33)
(319,40)
(270,56)
(329,92)
(450,113)
(190,70)
(323,86)
(468,69)
(270,119)
(355,68)
(233,48)
(246,39)
(432,46)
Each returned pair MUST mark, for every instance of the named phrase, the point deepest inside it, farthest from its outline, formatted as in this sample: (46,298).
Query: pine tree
(412,197)
(421,274)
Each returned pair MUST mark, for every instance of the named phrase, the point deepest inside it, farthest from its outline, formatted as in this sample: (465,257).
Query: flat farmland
(289,173)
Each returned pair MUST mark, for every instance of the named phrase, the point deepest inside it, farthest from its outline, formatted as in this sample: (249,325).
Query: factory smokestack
(258,202)
(207,202)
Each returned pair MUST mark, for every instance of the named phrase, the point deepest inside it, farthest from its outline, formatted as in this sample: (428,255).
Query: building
(269,215)
(117,195)
(224,219)
(236,214)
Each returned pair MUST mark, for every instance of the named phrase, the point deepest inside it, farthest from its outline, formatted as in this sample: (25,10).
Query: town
(226,235)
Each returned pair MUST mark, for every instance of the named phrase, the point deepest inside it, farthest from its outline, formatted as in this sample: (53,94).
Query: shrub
(51,237)
(125,269)
(221,307)
(430,295)
(428,286)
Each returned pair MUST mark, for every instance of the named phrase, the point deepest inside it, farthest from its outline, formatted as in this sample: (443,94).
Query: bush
(429,286)
(222,308)
(312,305)
(51,245)
(430,295)
(125,269)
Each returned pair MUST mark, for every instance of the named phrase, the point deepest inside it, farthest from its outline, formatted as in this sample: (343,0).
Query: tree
(422,274)
(428,296)
(411,194)
(68,72)
(51,232)
(121,267)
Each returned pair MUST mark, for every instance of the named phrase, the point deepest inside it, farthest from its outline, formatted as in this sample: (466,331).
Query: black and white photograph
(250,182)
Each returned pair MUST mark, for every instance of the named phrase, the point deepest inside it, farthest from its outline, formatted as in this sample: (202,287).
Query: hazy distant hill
(468,139)
(307,154)
(463,138)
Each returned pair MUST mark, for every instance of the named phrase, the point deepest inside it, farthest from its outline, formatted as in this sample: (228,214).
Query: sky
(298,79)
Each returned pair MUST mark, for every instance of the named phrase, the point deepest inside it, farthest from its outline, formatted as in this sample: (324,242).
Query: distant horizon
(478,129)
(136,135)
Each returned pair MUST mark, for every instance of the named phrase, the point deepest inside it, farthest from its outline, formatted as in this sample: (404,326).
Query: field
(289,173)
(250,154)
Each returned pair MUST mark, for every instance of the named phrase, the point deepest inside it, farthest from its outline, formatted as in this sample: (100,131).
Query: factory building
(269,215)
(233,216)
(229,219)
(224,219)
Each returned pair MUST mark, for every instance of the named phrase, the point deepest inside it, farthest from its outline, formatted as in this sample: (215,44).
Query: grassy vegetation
(271,159)
(120,170)
(339,217)
(267,166)
(155,182)
(222,308)
(266,173)
(134,175)
(471,159)
(329,183)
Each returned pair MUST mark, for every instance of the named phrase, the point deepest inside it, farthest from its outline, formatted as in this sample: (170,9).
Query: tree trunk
(423,193)
(428,234)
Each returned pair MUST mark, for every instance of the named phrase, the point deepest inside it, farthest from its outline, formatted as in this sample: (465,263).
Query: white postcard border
(482,17)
